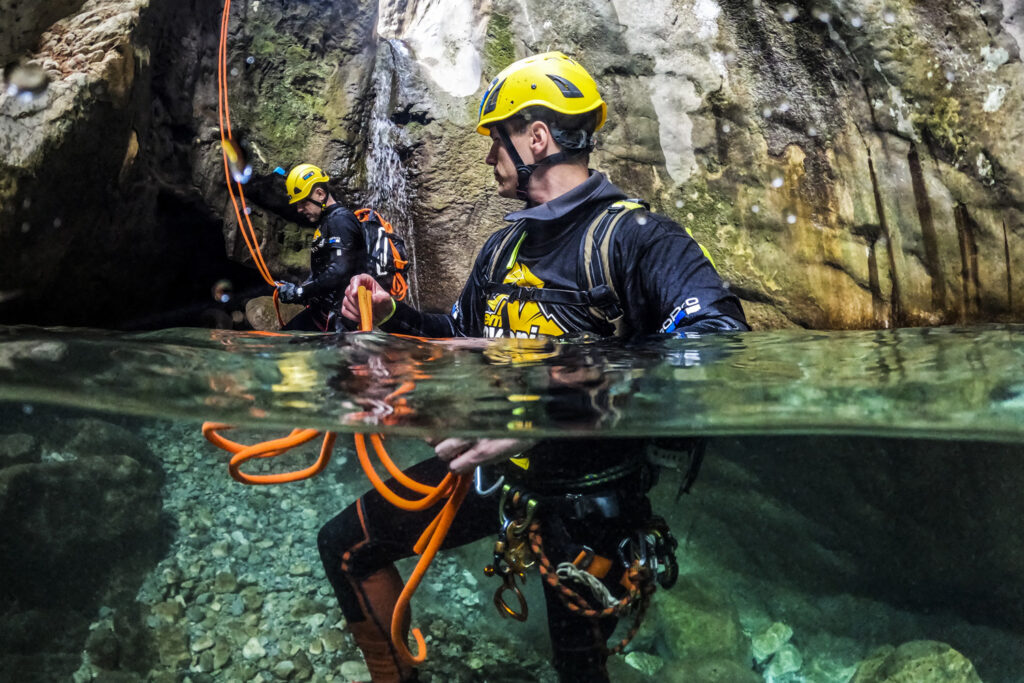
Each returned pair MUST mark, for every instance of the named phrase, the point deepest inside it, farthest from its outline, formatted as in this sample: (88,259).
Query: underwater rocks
(241,593)
(917,662)
(18,449)
(79,525)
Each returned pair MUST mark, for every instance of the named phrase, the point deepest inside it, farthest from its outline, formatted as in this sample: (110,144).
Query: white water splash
(387,178)
(445,37)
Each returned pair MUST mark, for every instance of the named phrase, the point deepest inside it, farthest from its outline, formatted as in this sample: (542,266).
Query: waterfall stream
(388,187)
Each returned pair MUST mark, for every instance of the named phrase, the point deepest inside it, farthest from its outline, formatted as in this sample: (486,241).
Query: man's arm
(674,282)
(343,235)
(464,320)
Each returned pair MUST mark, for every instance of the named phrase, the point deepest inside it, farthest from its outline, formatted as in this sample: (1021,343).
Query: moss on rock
(499,49)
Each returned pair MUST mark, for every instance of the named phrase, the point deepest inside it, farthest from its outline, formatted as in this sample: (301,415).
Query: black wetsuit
(337,253)
(665,283)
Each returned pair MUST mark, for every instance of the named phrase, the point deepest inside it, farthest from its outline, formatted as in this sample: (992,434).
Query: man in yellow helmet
(578,259)
(335,255)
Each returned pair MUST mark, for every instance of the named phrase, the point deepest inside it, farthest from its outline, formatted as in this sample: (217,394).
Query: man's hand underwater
(463,455)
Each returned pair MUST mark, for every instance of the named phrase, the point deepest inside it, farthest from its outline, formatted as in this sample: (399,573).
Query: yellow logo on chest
(523,318)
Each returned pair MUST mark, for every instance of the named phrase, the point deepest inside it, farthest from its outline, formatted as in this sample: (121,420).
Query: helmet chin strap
(524,170)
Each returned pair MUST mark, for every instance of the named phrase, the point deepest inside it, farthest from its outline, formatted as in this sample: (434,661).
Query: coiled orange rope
(453,487)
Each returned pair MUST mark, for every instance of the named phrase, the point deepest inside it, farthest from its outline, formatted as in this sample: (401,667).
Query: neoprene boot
(378,594)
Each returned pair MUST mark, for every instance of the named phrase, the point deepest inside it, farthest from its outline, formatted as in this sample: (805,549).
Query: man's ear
(540,138)
(318,195)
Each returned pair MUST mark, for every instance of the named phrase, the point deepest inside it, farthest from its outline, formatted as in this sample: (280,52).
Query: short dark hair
(517,122)
(587,122)
(313,189)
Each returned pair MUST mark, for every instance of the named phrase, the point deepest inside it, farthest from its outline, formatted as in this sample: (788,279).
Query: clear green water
(936,383)
(861,488)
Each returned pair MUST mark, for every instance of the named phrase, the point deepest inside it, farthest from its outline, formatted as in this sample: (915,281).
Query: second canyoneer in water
(579,258)
(335,255)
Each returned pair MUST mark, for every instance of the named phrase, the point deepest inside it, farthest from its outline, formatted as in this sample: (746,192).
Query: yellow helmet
(301,181)
(549,80)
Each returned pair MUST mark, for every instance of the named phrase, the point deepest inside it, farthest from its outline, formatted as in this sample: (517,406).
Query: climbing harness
(647,557)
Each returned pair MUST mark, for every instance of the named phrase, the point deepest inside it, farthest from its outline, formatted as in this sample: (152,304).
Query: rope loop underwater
(453,488)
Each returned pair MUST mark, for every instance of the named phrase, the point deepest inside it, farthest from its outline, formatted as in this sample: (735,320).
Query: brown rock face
(848,164)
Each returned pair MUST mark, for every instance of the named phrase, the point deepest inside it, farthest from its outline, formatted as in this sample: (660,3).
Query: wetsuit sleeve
(344,251)
(465,318)
(671,285)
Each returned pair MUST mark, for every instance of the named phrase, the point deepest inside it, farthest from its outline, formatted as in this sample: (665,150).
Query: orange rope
(224,122)
(454,487)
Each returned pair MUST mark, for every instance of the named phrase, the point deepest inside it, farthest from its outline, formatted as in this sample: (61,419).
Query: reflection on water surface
(947,383)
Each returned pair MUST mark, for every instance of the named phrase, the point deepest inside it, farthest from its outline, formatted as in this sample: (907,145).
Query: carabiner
(509,584)
(478,480)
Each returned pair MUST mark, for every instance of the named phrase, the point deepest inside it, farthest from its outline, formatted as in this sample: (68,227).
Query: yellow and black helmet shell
(301,181)
(550,80)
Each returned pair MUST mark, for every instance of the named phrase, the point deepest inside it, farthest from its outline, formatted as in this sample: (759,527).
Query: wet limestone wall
(849,164)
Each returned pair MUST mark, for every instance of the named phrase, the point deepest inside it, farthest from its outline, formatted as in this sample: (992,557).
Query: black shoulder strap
(503,256)
(596,266)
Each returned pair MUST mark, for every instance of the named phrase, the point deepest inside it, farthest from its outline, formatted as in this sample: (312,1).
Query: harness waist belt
(582,505)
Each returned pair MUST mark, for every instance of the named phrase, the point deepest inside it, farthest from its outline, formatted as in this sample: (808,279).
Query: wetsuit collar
(596,187)
(336,206)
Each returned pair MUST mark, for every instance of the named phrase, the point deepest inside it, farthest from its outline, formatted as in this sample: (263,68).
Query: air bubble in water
(27,408)
(726,128)
(234,72)
(823,16)
(57,222)
(248,210)
(784,107)
(889,17)
(240,169)
(679,203)
(25,227)
(26,81)
(777,181)
(755,209)
(250,60)
(222,291)
(27,203)
(857,22)
(950,76)
(791,218)
(766,112)
(789,13)
(812,131)
(641,220)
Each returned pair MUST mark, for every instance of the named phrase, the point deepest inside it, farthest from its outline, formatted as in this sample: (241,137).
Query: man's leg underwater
(360,546)
(580,643)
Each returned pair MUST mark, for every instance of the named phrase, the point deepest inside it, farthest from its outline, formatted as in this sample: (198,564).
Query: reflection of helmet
(301,181)
(549,80)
